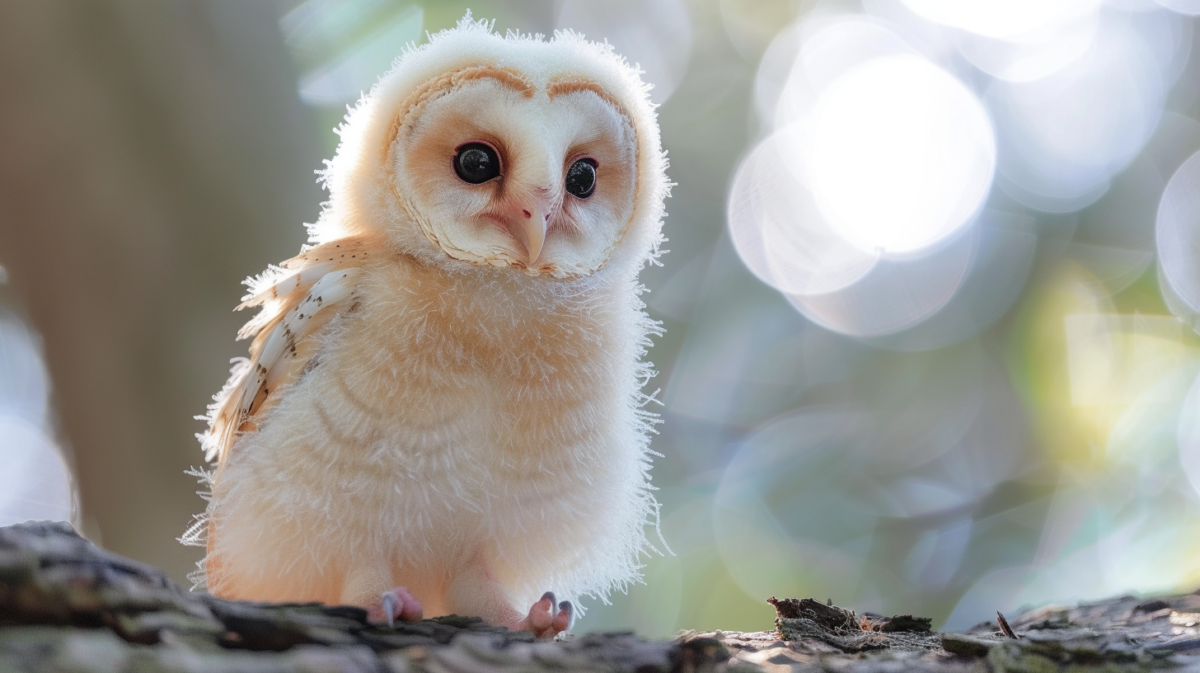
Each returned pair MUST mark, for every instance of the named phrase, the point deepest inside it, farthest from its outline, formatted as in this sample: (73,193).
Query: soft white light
(35,483)
(1189,7)
(1032,55)
(1177,235)
(1188,436)
(1000,18)
(831,47)
(24,384)
(1168,38)
(777,230)
(1064,136)
(902,154)
(897,293)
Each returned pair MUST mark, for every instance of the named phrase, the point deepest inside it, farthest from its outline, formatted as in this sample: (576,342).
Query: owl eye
(476,163)
(581,178)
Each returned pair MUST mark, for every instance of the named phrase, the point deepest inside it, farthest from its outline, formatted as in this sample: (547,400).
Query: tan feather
(297,298)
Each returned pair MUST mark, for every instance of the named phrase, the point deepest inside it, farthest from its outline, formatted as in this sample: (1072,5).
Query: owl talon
(397,603)
(543,622)
(389,607)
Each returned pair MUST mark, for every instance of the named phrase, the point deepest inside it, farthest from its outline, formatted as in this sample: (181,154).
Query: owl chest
(429,396)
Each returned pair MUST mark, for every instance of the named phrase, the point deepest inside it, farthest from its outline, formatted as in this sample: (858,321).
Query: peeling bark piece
(896,623)
(1004,627)
(825,615)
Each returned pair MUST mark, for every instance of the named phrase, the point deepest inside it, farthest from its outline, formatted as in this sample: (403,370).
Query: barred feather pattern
(296,299)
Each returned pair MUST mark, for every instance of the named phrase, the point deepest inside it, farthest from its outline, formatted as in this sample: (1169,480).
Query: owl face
(498,171)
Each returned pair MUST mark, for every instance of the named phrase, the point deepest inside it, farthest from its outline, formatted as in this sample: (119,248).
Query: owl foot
(397,603)
(543,622)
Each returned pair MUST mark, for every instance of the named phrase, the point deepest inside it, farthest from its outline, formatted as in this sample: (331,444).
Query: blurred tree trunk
(152,154)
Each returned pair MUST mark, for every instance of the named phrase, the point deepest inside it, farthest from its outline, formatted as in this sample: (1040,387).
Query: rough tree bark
(66,605)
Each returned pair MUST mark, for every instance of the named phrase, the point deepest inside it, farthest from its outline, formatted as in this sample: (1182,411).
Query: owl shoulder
(296,300)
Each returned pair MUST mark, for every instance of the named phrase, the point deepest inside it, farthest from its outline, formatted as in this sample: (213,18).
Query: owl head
(513,152)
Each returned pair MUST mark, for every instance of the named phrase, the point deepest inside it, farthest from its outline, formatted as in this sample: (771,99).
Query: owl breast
(443,422)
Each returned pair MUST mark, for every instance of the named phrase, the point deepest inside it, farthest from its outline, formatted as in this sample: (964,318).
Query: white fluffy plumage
(444,388)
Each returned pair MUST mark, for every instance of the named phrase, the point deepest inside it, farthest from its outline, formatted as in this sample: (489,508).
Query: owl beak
(531,230)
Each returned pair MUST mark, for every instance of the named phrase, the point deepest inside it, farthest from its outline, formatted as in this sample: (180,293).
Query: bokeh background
(930,300)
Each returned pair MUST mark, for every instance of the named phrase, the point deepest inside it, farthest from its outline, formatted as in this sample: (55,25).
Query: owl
(442,408)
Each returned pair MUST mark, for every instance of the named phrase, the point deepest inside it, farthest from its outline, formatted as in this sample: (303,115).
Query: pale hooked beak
(530,228)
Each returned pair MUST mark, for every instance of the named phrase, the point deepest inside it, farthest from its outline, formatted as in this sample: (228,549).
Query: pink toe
(545,619)
(411,610)
(562,620)
(541,614)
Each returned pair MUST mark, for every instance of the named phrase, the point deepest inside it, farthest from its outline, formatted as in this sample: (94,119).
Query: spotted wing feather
(297,299)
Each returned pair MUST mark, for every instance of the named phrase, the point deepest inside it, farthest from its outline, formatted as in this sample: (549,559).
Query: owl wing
(297,299)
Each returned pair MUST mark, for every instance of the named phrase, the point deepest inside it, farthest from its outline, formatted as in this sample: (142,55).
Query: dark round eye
(581,178)
(476,163)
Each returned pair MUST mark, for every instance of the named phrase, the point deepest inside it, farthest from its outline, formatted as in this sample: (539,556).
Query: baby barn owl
(441,412)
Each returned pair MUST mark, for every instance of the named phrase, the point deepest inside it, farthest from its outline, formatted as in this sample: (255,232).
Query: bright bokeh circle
(1031,56)
(902,155)
(1177,235)
(1186,7)
(1063,137)
(1004,19)
(778,231)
